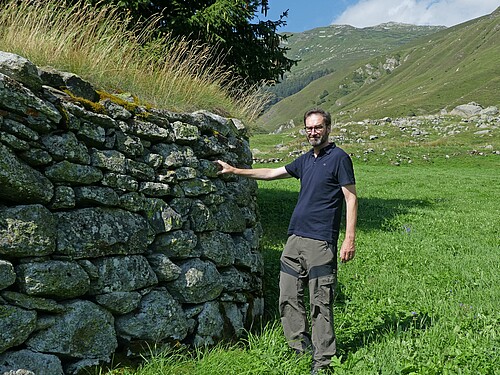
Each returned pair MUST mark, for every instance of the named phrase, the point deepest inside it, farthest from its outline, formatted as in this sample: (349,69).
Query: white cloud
(418,12)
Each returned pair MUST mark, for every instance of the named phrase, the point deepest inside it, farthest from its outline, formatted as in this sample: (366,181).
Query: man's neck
(317,149)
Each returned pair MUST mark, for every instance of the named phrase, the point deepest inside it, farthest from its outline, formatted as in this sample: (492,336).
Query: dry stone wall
(116,232)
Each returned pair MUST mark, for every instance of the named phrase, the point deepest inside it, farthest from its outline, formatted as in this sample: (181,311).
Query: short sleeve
(293,168)
(346,172)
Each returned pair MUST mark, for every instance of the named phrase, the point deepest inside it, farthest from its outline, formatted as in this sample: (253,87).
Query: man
(326,181)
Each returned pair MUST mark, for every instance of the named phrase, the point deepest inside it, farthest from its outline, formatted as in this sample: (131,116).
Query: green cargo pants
(313,261)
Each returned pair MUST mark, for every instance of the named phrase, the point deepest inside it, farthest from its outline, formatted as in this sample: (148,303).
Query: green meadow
(421,296)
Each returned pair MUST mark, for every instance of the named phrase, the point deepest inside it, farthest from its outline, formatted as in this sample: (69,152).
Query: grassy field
(422,295)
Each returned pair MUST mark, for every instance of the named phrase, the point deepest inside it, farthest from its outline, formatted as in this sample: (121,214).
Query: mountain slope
(451,67)
(329,49)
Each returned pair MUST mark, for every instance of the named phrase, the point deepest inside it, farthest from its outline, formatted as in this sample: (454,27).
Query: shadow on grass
(276,207)
(354,335)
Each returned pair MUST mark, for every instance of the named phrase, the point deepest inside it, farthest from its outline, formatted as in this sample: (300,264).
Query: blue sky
(307,14)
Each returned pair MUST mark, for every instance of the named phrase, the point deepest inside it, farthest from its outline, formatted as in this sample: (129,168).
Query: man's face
(317,133)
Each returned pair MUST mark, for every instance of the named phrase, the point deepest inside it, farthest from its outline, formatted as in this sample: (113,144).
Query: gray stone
(209,146)
(72,173)
(20,69)
(211,123)
(159,317)
(119,302)
(21,183)
(250,214)
(253,235)
(16,325)
(153,160)
(201,217)
(20,130)
(78,87)
(185,173)
(42,116)
(54,278)
(175,156)
(128,144)
(489,111)
(80,115)
(38,363)
(109,160)
(210,325)
(163,267)
(230,218)
(36,157)
(199,282)
(66,147)
(7,274)
(95,196)
(27,231)
(120,181)
(93,135)
(151,132)
(196,187)
(13,142)
(243,191)
(93,232)
(116,111)
(185,133)
(139,170)
(132,201)
(245,257)
(167,177)
(209,168)
(122,274)
(217,247)
(19,372)
(235,280)
(235,316)
(32,303)
(179,244)
(64,197)
(467,110)
(239,126)
(85,330)
(155,189)
(160,216)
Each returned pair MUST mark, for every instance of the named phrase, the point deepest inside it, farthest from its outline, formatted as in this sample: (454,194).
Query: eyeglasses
(317,129)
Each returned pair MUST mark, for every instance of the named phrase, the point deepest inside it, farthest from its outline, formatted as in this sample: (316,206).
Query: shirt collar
(325,150)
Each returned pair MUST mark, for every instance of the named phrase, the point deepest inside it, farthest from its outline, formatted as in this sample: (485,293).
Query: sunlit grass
(422,295)
(104,47)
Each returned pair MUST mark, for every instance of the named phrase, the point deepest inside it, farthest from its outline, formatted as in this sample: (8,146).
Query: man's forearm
(256,174)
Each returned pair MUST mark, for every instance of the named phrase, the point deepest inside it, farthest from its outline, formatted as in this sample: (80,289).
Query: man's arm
(348,246)
(256,174)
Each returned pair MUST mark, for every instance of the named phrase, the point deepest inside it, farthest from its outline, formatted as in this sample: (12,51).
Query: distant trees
(251,47)
(293,84)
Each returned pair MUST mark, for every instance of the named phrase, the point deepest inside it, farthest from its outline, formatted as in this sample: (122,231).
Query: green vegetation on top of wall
(98,45)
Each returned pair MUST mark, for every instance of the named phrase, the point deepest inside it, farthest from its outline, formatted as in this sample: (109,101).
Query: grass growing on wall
(99,45)
(422,295)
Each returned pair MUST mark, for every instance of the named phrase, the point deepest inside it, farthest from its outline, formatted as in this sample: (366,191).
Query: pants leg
(291,301)
(315,261)
(321,291)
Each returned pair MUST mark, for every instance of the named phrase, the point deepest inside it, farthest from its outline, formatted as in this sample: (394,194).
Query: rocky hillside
(448,68)
(334,48)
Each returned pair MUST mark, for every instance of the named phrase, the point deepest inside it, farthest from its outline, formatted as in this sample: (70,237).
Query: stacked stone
(116,232)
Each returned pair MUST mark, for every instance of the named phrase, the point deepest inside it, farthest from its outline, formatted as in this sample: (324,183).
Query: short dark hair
(327,118)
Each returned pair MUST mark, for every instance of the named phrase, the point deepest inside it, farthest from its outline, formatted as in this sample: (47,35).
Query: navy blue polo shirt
(319,207)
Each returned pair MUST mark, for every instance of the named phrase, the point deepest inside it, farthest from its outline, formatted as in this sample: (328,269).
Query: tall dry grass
(104,47)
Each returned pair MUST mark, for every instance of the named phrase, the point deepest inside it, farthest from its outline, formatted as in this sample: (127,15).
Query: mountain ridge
(446,68)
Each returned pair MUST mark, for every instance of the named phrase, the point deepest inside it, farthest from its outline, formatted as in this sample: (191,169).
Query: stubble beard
(317,141)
